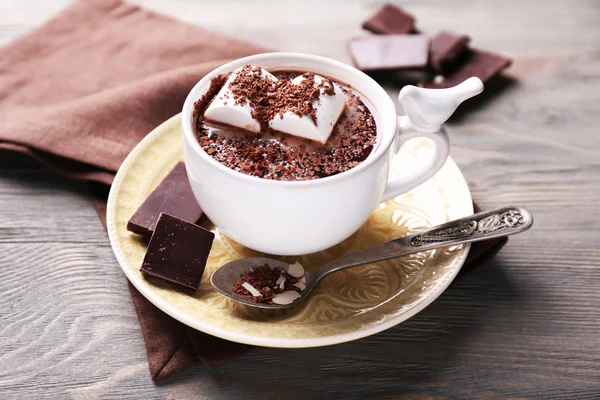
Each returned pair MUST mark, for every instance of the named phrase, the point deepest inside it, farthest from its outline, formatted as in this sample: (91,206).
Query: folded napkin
(81,91)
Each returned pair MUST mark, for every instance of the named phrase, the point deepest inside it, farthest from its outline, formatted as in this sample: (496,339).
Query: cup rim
(384,107)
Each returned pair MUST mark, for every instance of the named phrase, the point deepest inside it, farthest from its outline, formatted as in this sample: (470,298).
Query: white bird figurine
(427,109)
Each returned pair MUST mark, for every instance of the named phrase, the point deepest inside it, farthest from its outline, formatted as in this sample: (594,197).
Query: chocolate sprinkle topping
(269,98)
(263,279)
(274,155)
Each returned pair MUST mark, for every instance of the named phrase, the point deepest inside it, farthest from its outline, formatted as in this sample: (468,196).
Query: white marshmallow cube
(224,110)
(328,110)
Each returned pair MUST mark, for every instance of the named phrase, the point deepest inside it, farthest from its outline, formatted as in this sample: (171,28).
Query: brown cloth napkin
(81,91)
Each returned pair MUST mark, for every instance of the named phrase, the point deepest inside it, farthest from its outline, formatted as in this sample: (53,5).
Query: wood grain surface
(526,325)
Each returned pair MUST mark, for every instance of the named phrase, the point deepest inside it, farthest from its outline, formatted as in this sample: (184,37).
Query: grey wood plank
(524,326)
(37,204)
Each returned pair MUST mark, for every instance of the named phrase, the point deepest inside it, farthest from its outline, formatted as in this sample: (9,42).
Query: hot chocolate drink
(284,125)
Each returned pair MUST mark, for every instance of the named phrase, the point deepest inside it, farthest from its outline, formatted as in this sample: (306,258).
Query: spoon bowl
(225,277)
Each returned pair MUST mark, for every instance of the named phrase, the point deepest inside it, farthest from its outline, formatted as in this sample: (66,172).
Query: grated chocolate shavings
(263,278)
(269,98)
(275,155)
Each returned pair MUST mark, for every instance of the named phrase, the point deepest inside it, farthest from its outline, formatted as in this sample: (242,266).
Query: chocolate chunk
(172,196)
(446,49)
(390,19)
(479,63)
(178,251)
(390,52)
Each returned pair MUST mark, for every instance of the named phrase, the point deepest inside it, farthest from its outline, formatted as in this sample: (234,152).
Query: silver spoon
(485,225)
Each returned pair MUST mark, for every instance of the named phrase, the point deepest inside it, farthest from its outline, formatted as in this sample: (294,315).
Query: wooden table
(525,325)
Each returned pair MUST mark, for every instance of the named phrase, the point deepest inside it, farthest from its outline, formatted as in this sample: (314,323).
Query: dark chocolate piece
(172,196)
(479,63)
(388,52)
(178,251)
(446,49)
(390,19)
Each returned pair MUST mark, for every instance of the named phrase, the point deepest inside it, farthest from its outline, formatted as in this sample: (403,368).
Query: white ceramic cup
(301,217)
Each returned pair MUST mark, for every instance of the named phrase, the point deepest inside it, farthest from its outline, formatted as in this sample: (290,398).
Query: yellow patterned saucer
(347,305)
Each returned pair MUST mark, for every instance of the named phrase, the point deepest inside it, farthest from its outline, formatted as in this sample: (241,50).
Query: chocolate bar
(178,251)
(390,19)
(387,52)
(479,63)
(446,49)
(172,196)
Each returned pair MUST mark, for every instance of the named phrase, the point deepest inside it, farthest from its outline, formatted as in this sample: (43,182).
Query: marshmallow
(224,110)
(328,110)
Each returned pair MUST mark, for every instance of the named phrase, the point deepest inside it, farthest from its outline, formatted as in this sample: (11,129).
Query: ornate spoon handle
(484,225)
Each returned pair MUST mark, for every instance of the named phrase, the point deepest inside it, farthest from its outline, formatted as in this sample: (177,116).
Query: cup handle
(402,182)
(426,110)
